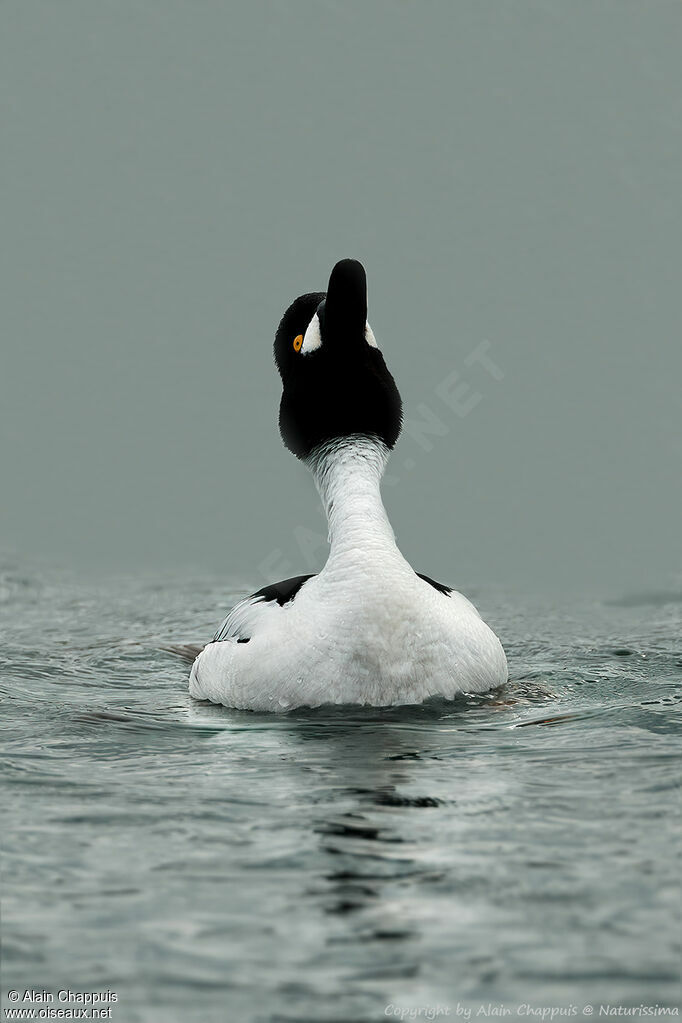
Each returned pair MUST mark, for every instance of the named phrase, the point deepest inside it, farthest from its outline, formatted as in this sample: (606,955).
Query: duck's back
(375,638)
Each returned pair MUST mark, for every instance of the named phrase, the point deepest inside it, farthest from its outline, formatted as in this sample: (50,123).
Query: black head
(335,381)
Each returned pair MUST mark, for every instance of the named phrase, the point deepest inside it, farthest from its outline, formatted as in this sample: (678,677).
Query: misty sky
(174,174)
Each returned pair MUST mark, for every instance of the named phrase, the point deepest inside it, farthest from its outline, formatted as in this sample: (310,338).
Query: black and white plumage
(244,616)
(367,628)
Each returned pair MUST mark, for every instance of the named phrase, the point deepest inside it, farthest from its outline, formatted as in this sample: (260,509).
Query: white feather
(243,618)
(369,336)
(365,630)
(312,339)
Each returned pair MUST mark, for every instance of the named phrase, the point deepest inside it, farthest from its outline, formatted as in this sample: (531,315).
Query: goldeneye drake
(367,629)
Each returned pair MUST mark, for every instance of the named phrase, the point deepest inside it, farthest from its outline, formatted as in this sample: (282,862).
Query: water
(207,864)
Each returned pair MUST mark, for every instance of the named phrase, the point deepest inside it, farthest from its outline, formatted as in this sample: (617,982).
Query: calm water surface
(209,864)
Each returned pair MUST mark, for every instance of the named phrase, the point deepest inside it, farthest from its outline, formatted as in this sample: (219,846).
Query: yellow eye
(298,341)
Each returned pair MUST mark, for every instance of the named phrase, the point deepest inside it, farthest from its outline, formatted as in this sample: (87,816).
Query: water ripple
(518,842)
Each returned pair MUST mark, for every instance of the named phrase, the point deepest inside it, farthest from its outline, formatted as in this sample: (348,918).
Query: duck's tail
(187,651)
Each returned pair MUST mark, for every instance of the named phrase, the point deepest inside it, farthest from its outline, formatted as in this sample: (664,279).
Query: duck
(367,628)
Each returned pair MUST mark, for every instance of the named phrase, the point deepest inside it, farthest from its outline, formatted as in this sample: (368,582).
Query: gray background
(173,174)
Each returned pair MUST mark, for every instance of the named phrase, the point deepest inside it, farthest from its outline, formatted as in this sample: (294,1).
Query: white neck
(347,473)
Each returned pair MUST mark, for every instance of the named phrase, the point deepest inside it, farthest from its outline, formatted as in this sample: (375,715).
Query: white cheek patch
(312,339)
(369,337)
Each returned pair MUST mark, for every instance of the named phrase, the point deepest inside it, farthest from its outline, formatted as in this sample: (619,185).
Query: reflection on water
(215,864)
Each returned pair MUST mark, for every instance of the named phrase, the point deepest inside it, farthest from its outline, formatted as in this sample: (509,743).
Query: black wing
(245,615)
(447,590)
